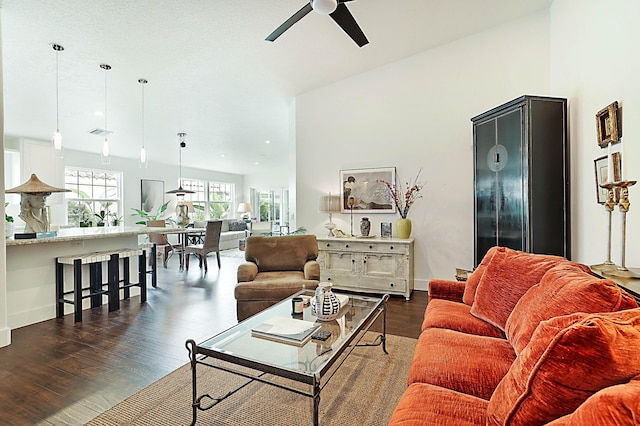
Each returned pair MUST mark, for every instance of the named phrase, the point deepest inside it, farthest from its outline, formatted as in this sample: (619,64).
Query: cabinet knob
(370,247)
(328,278)
(347,245)
(328,244)
(391,247)
(353,261)
(391,284)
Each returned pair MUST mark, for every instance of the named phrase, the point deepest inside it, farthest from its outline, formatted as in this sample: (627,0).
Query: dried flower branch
(403,204)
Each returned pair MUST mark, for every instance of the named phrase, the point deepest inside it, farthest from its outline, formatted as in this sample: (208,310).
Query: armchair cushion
(247,271)
(281,253)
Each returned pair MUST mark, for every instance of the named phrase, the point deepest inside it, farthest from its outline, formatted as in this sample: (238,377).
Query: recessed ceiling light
(222,155)
(98,113)
(256,163)
(267,142)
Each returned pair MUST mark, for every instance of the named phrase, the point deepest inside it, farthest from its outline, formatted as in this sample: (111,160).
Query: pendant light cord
(57,99)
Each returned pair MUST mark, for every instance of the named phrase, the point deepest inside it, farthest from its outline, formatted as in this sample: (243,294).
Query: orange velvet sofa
(528,339)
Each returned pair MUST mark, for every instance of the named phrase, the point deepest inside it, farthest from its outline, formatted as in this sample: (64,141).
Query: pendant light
(142,159)
(56,140)
(105,152)
(180,192)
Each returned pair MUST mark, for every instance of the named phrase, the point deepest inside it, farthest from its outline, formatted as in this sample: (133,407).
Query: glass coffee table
(312,364)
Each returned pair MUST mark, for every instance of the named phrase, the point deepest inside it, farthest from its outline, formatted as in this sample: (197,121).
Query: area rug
(364,391)
(233,252)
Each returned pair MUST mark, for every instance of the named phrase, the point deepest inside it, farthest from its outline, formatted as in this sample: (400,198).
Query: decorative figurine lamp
(33,197)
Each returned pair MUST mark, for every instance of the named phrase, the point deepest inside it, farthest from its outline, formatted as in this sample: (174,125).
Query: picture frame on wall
(608,125)
(151,195)
(367,190)
(601,172)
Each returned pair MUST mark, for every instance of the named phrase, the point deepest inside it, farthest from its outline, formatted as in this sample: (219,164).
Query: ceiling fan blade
(345,19)
(289,22)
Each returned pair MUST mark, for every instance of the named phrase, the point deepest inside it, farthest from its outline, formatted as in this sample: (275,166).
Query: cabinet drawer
(364,247)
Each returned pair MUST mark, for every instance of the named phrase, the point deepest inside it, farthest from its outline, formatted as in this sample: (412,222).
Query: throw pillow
(237,225)
(507,277)
(474,279)
(568,359)
(564,289)
(615,405)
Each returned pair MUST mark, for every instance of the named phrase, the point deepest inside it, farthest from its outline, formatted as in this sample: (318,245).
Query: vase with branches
(403,197)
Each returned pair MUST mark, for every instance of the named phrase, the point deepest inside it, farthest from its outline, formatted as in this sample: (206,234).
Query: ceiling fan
(334,8)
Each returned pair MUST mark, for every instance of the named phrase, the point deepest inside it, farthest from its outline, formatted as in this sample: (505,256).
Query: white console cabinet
(372,265)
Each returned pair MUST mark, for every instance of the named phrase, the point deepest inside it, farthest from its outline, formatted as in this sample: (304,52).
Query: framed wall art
(151,195)
(364,190)
(602,175)
(608,125)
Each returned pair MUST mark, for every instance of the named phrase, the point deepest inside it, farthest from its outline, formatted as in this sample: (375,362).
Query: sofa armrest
(312,270)
(446,289)
(247,271)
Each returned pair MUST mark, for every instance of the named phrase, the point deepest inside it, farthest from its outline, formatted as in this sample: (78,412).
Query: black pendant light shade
(180,192)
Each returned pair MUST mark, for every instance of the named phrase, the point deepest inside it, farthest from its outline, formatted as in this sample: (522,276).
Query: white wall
(595,61)
(5,331)
(416,113)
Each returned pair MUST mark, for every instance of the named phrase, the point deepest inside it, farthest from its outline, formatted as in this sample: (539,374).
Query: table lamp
(329,204)
(244,209)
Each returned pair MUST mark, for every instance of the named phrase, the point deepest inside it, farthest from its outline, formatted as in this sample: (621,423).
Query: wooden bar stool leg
(95,284)
(142,276)
(77,290)
(126,281)
(59,289)
(114,282)
(154,265)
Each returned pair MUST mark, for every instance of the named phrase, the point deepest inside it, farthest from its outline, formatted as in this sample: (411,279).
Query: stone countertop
(75,234)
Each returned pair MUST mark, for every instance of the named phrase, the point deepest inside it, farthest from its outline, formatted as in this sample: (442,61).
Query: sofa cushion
(281,253)
(457,316)
(237,225)
(445,289)
(615,405)
(225,225)
(424,404)
(471,285)
(507,277)
(462,362)
(564,289)
(568,359)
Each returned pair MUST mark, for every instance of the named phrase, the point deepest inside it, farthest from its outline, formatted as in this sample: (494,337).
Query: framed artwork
(151,195)
(602,172)
(364,191)
(385,229)
(607,124)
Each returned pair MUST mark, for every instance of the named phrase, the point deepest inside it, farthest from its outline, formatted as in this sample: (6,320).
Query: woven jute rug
(364,391)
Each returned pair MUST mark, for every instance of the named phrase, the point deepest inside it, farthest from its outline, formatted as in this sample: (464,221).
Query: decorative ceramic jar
(365,226)
(325,305)
(403,228)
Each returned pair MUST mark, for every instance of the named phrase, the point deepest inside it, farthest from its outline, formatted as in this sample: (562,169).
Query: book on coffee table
(286,330)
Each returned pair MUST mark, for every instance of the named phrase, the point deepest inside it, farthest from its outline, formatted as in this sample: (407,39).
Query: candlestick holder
(623,206)
(608,206)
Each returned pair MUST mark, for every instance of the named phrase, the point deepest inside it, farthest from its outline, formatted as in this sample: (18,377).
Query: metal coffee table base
(205,401)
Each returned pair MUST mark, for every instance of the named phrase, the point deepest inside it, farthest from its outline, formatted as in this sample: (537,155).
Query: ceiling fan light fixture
(324,7)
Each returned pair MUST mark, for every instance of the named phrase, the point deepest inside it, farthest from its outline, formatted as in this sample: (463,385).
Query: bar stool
(96,289)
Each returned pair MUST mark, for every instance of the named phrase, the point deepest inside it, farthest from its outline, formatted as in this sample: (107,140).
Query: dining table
(185,236)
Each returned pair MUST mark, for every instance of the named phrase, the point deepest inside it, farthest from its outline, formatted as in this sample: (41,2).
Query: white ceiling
(211,73)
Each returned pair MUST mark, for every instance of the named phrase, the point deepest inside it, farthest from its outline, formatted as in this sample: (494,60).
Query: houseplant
(148,216)
(9,226)
(403,201)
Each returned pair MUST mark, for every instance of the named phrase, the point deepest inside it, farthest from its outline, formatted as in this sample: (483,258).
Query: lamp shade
(324,7)
(329,203)
(244,208)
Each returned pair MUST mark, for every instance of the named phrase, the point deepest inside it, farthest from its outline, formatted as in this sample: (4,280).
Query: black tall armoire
(521,179)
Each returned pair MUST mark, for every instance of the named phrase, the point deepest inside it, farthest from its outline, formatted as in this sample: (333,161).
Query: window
(220,199)
(95,197)
(215,196)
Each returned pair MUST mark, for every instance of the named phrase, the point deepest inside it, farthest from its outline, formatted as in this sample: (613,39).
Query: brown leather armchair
(275,268)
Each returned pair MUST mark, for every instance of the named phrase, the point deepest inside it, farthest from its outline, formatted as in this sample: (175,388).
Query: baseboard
(20,319)
(5,337)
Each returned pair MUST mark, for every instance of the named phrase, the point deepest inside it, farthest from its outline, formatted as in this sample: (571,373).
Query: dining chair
(161,241)
(211,244)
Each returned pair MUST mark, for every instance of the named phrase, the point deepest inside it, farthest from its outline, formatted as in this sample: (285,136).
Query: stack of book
(286,330)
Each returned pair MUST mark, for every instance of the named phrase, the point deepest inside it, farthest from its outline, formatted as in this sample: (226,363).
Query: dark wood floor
(58,373)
